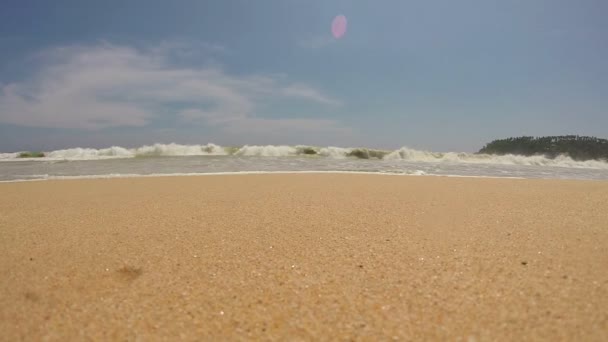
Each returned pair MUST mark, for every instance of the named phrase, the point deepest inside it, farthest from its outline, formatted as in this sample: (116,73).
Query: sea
(177,159)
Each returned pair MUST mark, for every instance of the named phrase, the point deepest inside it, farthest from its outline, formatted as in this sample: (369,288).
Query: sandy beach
(304,257)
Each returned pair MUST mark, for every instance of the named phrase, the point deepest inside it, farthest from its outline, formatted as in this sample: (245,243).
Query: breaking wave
(8,156)
(155,150)
(402,154)
(405,153)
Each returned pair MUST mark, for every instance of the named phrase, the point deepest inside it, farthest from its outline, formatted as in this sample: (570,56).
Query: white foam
(115,152)
(89,153)
(179,150)
(335,152)
(404,153)
(408,154)
(267,151)
(9,156)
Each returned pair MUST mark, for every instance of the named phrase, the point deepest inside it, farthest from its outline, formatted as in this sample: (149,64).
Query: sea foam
(404,154)
(408,154)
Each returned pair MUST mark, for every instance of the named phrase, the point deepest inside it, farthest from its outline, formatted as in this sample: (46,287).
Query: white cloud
(100,86)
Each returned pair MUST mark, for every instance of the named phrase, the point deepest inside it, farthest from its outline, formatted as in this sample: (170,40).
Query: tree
(574,146)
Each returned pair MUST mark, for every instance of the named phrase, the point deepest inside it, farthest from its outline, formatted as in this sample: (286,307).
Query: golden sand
(307,256)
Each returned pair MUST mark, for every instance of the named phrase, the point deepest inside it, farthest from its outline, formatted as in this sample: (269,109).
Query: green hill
(577,147)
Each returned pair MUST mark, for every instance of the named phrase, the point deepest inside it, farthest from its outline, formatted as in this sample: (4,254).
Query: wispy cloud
(93,87)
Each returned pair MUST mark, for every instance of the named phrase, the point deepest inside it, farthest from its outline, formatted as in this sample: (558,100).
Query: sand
(304,257)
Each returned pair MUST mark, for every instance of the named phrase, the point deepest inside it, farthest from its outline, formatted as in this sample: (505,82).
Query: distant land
(577,147)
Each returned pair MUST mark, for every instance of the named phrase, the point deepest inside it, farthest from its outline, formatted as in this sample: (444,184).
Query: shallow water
(165,165)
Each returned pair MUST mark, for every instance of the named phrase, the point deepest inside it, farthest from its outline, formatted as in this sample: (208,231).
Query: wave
(156,150)
(9,156)
(267,151)
(408,154)
(299,150)
(402,154)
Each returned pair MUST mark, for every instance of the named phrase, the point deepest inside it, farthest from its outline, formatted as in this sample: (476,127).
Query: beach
(304,257)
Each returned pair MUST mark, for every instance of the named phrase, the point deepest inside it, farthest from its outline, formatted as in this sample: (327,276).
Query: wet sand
(304,256)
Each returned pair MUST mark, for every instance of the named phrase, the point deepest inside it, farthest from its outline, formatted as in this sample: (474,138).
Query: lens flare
(338,26)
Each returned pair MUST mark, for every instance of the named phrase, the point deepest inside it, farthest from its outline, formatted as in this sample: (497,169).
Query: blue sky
(435,75)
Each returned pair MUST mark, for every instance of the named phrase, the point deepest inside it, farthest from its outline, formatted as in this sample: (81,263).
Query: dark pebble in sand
(524,263)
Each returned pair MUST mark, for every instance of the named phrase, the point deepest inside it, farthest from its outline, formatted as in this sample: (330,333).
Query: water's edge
(240,173)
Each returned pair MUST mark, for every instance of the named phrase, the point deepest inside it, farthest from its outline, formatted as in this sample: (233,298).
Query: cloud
(94,87)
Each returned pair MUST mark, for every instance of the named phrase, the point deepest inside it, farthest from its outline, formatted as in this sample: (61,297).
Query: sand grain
(309,256)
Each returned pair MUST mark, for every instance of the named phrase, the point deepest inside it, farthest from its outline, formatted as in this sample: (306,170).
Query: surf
(279,151)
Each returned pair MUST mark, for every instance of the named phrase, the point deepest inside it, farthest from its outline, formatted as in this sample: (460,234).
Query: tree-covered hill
(577,147)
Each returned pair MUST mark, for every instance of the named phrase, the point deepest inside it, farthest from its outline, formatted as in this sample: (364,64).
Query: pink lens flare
(338,26)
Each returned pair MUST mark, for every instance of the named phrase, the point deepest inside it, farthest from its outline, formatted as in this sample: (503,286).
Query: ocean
(175,159)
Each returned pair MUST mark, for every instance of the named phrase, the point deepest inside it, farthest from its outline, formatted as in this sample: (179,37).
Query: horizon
(435,77)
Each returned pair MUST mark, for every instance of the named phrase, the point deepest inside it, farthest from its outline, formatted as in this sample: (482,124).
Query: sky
(427,74)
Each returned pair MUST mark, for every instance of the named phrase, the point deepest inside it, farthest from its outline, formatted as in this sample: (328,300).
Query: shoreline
(237,173)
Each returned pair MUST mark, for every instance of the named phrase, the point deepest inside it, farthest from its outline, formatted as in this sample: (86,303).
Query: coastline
(308,255)
(244,173)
